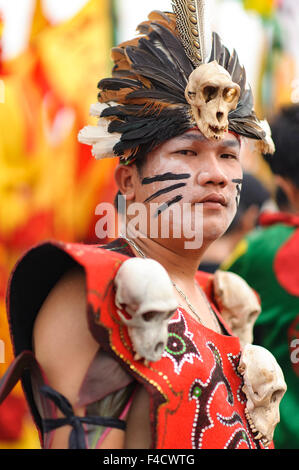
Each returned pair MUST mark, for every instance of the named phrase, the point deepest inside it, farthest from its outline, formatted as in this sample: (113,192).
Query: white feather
(100,139)
(267,145)
(104,148)
(96,109)
(205,27)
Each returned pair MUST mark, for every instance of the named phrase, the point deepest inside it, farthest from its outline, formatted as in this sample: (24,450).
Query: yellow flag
(263,7)
(49,183)
(75,54)
(39,21)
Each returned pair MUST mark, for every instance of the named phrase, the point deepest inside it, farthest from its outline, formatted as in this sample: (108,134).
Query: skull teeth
(217,130)
(259,435)
(265,442)
(137,357)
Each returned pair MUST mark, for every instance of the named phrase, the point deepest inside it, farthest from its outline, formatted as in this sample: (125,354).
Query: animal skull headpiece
(145,291)
(175,74)
(212,94)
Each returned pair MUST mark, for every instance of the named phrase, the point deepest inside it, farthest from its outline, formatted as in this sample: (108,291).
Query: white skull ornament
(238,304)
(212,94)
(145,291)
(264,387)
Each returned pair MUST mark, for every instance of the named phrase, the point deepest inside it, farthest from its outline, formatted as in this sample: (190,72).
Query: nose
(220,117)
(212,173)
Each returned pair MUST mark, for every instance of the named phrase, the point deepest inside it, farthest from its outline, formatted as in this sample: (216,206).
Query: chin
(214,229)
(215,225)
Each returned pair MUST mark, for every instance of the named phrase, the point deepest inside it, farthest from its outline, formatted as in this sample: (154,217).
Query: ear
(125,177)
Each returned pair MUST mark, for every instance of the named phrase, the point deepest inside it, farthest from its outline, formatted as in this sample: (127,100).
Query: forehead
(192,139)
(195,136)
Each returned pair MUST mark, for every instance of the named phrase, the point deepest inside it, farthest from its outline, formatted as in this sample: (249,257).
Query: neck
(181,264)
(222,248)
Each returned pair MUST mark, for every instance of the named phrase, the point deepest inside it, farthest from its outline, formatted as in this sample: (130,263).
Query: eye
(230,94)
(210,93)
(149,316)
(229,156)
(276,396)
(187,152)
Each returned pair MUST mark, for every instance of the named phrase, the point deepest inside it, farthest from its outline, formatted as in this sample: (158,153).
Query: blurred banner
(271,50)
(279,71)
(49,183)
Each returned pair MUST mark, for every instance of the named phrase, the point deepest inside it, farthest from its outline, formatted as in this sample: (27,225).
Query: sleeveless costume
(195,392)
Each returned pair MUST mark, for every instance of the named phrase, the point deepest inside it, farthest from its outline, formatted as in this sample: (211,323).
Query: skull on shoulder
(145,291)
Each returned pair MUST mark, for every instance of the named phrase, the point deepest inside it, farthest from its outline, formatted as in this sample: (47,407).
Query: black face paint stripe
(165,190)
(166,177)
(238,182)
(165,206)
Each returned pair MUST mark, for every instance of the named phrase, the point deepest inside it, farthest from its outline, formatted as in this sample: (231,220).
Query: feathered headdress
(151,98)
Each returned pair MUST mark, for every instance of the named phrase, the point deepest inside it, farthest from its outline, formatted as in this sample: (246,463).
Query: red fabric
(195,390)
(12,413)
(270,218)
(286,262)
(196,398)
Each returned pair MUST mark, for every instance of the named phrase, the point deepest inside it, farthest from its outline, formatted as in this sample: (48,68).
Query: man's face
(191,170)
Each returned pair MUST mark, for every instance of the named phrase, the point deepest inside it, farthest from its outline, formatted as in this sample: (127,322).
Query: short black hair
(285,134)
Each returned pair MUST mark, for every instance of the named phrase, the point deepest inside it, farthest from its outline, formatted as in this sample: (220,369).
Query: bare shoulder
(64,347)
(62,342)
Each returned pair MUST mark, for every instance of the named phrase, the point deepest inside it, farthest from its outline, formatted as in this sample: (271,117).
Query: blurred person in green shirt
(268,259)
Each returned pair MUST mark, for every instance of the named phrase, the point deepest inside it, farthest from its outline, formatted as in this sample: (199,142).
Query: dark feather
(248,127)
(118,72)
(244,107)
(150,74)
(163,60)
(224,57)
(234,67)
(159,95)
(242,81)
(118,84)
(150,130)
(174,47)
(145,64)
(216,48)
(228,61)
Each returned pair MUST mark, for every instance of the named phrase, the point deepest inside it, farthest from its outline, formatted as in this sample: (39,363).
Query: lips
(216,198)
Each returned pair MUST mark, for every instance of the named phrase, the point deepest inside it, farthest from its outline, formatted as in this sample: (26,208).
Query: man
(268,260)
(84,361)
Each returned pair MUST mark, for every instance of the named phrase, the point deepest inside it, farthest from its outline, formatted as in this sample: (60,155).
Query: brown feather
(120,96)
(167,20)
